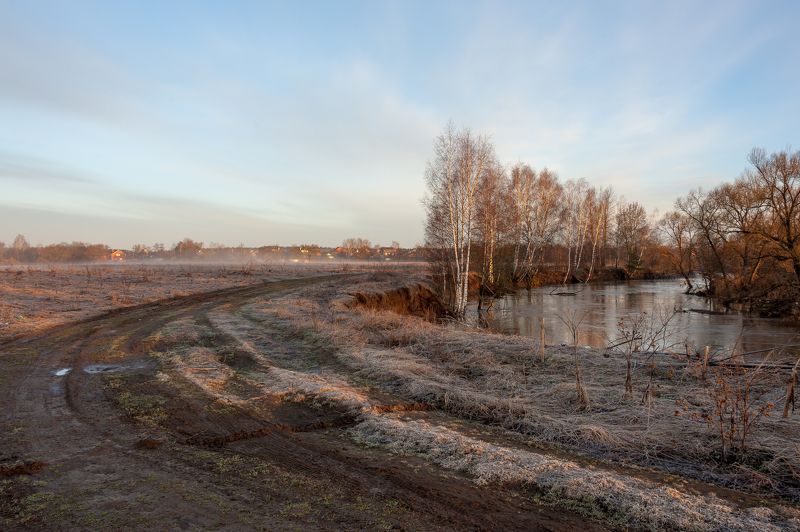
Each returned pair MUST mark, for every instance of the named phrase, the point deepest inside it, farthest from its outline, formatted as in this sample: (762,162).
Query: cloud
(43,68)
(34,169)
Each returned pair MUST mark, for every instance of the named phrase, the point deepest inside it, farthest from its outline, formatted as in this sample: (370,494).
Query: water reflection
(600,307)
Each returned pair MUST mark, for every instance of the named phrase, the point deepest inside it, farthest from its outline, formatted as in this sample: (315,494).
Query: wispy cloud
(36,170)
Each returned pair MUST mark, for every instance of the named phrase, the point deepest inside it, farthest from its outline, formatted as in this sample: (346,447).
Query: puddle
(62,372)
(94,369)
(103,368)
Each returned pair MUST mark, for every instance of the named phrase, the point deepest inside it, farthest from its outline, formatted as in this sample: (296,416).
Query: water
(599,308)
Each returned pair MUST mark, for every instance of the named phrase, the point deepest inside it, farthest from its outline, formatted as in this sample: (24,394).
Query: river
(599,307)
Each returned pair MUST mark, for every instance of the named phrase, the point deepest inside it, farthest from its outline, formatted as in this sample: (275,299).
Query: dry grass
(33,298)
(628,501)
(497,380)
(472,376)
(312,346)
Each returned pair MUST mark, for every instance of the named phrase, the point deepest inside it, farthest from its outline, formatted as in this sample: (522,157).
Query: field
(319,398)
(36,297)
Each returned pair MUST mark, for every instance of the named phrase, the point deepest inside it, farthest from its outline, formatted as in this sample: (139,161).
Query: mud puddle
(94,369)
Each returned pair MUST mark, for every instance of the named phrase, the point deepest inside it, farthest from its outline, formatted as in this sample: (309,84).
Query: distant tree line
(20,251)
(498,228)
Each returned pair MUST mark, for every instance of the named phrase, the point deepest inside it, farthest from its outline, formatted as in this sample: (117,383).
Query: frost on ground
(638,502)
(490,394)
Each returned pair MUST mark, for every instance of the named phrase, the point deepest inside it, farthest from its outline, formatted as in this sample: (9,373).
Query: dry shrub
(597,434)
(737,411)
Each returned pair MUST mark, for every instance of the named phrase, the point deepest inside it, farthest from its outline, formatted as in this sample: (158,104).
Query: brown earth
(120,438)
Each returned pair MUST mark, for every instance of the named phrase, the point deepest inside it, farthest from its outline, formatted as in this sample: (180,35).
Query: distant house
(117,255)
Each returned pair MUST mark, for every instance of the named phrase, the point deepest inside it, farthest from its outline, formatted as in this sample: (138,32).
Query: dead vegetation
(323,346)
(35,297)
(622,500)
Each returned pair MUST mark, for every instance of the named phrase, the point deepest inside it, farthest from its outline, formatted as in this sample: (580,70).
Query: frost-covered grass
(626,500)
(498,380)
(313,346)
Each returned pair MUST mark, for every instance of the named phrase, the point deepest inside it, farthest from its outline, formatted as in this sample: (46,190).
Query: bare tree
(490,218)
(356,246)
(574,222)
(632,232)
(644,333)
(776,179)
(573,321)
(701,210)
(741,215)
(598,205)
(520,194)
(20,246)
(453,177)
(543,226)
(679,232)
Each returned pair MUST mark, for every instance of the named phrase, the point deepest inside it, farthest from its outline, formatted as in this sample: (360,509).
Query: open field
(309,403)
(39,296)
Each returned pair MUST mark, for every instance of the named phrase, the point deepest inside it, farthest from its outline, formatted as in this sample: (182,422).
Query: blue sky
(258,123)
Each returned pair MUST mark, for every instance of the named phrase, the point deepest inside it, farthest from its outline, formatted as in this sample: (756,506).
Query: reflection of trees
(521,313)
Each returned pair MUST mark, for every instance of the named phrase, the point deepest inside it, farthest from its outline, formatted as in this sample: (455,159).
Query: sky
(310,122)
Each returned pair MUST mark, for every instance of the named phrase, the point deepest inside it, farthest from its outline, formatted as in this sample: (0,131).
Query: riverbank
(547,277)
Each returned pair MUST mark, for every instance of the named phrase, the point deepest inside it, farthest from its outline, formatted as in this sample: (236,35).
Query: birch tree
(490,218)
(575,222)
(601,203)
(520,193)
(545,213)
(453,178)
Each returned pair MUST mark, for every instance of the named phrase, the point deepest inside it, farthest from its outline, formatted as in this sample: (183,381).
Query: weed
(147,409)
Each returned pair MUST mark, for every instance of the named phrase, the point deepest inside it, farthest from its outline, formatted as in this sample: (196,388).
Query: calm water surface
(600,306)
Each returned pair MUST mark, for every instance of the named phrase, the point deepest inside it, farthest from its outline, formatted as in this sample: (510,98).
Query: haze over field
(284,123)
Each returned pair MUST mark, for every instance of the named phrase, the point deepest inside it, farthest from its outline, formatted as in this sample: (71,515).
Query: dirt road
(97,433)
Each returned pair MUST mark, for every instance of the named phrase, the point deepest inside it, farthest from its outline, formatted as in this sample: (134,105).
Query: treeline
(503,227)
(510,224)
(351,249)
(20,251)
(743,237)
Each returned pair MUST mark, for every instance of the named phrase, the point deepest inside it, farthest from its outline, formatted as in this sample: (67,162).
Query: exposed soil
(416,300)
(137,440)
